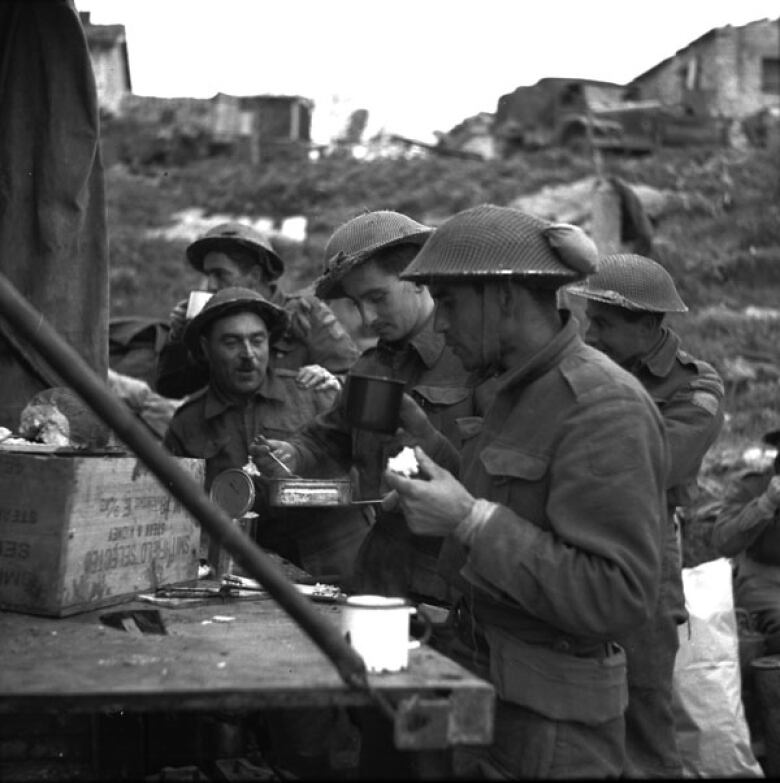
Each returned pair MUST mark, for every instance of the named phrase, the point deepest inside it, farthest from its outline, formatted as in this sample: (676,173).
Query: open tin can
(309,492)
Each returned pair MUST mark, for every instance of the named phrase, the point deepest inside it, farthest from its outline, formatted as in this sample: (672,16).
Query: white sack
(712,733)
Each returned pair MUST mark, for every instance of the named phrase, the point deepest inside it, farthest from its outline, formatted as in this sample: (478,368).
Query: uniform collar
(217,403)
(659,360)
(427,343)
(544,359)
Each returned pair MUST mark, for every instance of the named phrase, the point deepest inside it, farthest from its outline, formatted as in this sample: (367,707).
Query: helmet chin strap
(491,317)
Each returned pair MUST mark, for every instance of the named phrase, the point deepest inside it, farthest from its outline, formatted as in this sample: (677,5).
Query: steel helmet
(225,236)
(489,241)
(361,237)
(235,300)
(633,282)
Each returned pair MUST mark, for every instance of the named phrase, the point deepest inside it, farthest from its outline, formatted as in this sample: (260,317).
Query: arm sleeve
(595,569)
(693,418)
(328,342)
(742,518)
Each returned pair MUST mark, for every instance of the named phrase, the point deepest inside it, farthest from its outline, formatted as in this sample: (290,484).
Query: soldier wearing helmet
(627,300)
(554,524)
(234,254)
(747,528)
(364,259)
(245,397)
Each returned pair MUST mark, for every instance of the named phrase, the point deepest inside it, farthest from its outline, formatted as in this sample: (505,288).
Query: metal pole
(31,325)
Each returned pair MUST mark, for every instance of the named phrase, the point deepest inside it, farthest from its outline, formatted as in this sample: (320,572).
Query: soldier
(246,397)
(365,258)
(233,254)
(554,531)
(747,528)
(627,300)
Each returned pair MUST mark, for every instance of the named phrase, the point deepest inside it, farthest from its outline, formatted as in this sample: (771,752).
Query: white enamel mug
(377,627)
(196,302)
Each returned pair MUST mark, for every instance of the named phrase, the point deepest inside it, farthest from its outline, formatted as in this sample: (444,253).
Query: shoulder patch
(709,402)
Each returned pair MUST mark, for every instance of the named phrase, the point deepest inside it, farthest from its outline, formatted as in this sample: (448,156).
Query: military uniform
(749,531)
(392,560)
(314,336)
(573,453)
(210,427)
(689,393)
(561,550)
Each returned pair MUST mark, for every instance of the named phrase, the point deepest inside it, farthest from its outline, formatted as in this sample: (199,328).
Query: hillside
(721,243)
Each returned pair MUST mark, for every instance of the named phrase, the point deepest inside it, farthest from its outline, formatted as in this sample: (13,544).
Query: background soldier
(235,255)
(627,300)
(747,528)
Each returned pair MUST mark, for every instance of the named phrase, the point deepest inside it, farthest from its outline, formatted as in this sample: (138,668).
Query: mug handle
(414,644)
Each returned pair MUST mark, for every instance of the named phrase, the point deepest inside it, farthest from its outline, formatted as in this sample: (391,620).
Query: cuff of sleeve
(766,506)
(474,521)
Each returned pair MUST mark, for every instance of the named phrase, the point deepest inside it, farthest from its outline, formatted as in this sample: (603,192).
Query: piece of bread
(404,463)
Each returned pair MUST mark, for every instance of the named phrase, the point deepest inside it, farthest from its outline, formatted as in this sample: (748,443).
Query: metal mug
(373,403)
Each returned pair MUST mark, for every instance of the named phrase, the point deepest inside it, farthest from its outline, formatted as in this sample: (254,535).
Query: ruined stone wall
(718,75)
(739,66)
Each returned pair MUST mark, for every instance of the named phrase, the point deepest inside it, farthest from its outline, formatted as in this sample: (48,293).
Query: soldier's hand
(268,454)
(178,320)
(433,506)
(416,428)
(772,492)
(314,376)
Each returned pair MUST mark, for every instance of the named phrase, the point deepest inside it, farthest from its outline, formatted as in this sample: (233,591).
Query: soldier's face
(237,352)
(612,334)
(458,317)
(390,307)
(221,271)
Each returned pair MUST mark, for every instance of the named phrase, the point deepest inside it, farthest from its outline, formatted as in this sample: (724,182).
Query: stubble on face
(237,352)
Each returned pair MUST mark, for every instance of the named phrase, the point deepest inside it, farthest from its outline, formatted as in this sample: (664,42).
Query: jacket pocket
(440,396)
(558,685)
(505,463)
(518,479)
(469,426)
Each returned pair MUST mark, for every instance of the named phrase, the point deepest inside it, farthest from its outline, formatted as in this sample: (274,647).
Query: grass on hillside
(723,249)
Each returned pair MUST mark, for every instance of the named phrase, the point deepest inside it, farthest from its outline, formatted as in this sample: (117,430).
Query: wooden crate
(78,533)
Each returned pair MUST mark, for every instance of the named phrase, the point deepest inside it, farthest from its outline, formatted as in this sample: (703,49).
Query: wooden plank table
(258,659)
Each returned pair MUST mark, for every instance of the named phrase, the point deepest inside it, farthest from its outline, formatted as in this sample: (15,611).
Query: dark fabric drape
(53,244)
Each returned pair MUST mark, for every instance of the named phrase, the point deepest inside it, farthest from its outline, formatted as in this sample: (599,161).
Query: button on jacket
(574,453)
(315,336)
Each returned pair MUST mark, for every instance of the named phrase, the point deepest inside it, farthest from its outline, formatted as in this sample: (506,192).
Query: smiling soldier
(245,398)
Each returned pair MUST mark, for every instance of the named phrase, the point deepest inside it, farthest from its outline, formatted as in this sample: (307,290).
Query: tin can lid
(233,491)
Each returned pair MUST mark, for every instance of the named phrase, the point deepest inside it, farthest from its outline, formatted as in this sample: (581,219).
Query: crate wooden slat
(78,533)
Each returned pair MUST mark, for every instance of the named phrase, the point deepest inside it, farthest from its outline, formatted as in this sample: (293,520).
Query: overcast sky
(416,65)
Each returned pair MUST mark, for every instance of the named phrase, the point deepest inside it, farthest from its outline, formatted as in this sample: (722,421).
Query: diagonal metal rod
(31,325)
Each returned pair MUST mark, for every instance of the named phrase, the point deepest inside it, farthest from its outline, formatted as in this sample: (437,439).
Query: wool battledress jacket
(574,453)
